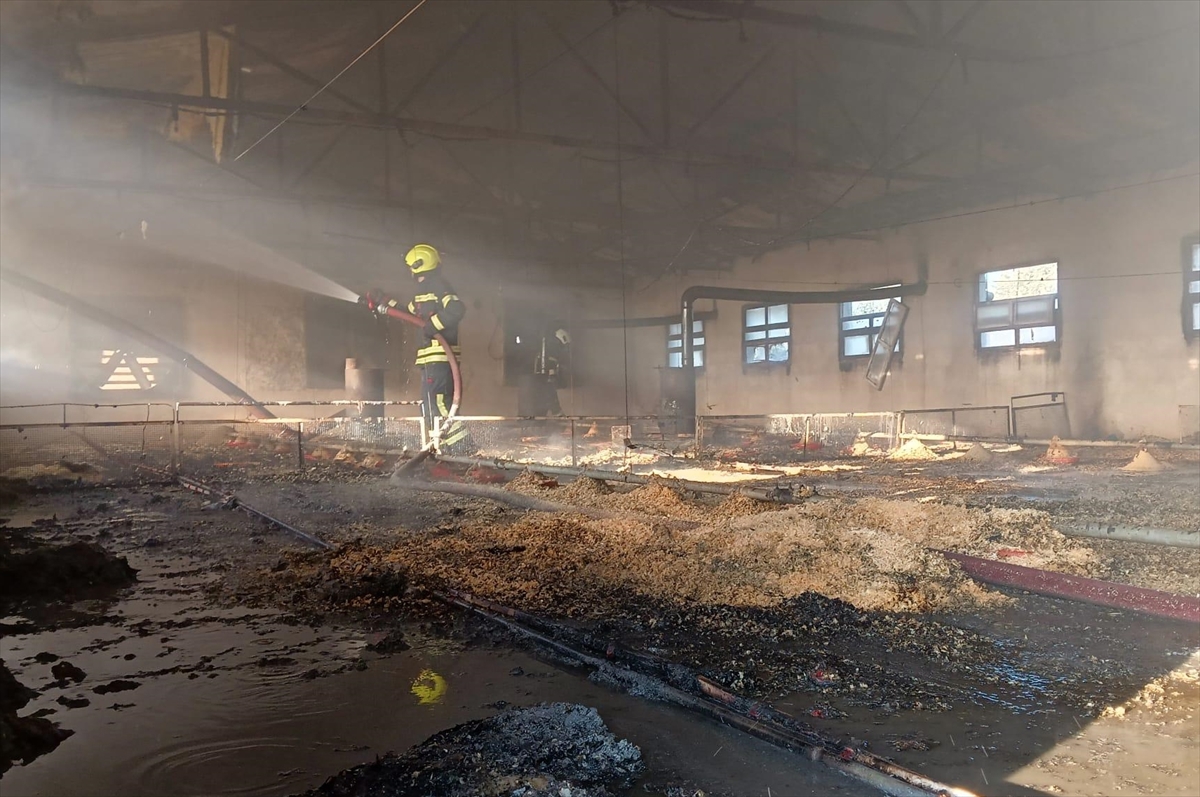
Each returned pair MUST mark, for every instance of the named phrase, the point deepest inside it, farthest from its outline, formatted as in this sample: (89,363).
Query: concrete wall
(1124,362)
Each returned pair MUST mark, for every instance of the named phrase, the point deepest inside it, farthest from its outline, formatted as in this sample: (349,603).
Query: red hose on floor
(454,372)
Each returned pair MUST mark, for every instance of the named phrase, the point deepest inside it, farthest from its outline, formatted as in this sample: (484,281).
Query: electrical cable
(621,225)
(304,105)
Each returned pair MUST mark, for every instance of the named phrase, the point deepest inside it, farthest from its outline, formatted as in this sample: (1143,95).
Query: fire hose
(385,309)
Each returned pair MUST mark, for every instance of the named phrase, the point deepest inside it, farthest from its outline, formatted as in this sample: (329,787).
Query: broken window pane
(1018,307)
(772,326)
(864,315)
(1033,335)
(866,307)
(698,358)
(1013,283)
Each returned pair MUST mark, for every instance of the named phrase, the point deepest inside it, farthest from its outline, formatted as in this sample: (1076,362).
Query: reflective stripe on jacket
(438,304)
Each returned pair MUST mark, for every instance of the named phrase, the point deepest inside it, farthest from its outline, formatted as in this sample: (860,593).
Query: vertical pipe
(300,445)
(687,397)
(175,439)
(574,461)
(205,77)
(664,77)
(514,35)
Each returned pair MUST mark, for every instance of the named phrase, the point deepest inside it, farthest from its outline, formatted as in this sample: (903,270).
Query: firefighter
(441,309)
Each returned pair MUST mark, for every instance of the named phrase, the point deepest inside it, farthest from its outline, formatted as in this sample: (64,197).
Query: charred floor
(821,593)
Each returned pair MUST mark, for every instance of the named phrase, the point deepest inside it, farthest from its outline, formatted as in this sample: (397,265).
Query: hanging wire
(304,105)
(621,223)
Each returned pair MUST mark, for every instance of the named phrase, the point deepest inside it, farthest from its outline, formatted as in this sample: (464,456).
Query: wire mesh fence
(793,437)
(988,421)
(102,442)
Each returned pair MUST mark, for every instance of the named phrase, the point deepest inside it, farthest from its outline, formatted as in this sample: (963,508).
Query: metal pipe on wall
(687,407)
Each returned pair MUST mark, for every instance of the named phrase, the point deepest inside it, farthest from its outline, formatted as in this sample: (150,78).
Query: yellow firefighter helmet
(422,258)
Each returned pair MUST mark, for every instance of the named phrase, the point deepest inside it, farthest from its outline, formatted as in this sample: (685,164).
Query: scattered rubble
(547,750)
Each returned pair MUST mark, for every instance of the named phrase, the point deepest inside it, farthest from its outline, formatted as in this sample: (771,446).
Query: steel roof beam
(460,131)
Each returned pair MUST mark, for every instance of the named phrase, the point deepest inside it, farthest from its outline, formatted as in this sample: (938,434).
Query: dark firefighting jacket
(439,306)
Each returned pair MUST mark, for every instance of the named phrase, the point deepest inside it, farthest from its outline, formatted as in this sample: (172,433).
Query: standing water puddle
(245,702)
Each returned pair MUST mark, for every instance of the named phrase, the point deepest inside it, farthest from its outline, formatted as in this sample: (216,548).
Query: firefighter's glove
(373,299)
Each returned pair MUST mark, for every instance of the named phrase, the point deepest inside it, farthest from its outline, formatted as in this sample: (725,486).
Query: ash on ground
(548,750)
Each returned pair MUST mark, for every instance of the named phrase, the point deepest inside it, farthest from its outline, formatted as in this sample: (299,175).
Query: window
(1018,307)
(1191,297)
(675,345)
(859,327)
(125,370)
(767,333)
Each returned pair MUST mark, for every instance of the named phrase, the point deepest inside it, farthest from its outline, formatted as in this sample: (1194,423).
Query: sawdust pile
(563,565)
(739,505)
(57,470)
(912,451)
(656,498)
(1144,462)
(977,453)
(1023,536)
(1160,696)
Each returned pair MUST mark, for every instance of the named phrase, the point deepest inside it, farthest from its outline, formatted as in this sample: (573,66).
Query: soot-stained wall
(1124,362)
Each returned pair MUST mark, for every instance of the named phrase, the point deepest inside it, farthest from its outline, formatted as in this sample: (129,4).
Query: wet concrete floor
(227,704)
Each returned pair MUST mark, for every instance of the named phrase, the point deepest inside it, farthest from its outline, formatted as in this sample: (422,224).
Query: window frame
(697,348)
(1016,328)
(871,331)
(1190,300)
(767,327)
